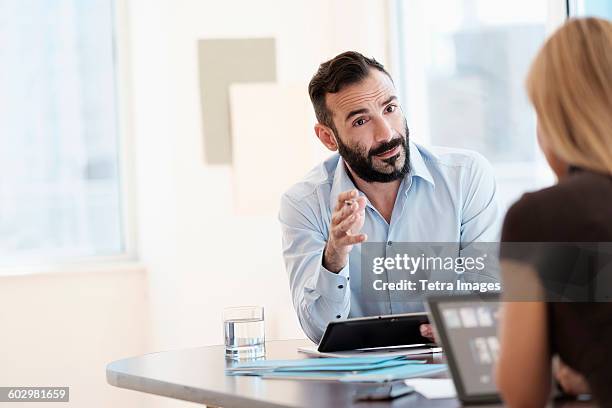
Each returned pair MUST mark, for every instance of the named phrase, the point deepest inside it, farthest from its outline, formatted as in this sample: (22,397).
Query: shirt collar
(342,181)
(418,168)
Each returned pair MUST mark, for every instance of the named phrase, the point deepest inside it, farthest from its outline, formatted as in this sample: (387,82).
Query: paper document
(361,369)
(382,352)
(318,364)
(433,388)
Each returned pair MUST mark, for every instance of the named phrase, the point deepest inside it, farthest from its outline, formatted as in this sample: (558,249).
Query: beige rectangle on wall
(222,62)
(273,143)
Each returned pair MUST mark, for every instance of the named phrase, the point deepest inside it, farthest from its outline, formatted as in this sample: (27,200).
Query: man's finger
(427,331)
(352,239)
(344,213)
(339,216)
(343,227)
(361,202)
(356,239)
(345,196)
(348,223)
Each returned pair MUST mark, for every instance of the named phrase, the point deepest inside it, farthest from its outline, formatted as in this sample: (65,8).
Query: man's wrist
(329,260)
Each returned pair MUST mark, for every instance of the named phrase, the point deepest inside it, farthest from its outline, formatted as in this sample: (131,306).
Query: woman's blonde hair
(570,86)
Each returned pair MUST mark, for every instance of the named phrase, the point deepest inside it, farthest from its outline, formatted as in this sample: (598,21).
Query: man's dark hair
(345,69)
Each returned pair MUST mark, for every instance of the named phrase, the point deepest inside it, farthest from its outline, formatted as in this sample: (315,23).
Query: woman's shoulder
(554,212)
(523,216)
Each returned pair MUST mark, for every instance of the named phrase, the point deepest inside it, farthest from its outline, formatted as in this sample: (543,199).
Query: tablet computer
(376,331)
(466,327)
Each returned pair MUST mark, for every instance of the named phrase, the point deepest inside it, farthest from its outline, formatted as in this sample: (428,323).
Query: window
(59,168)
(598,8)
(462,66)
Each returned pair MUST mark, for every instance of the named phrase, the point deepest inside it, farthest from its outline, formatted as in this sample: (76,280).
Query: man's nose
(384,132)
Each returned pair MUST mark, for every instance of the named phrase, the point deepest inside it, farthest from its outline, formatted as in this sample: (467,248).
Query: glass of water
(244,332)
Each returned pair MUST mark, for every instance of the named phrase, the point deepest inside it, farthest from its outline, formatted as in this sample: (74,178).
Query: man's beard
(361,162)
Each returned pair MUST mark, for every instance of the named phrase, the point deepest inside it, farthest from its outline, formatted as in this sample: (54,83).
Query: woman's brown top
(577,209)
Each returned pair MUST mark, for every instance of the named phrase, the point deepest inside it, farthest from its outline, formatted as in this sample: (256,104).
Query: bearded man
(380,186)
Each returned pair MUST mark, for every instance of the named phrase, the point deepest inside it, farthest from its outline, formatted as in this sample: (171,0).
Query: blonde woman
(570,87)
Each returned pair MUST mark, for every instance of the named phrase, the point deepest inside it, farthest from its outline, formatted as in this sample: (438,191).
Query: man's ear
(326,136)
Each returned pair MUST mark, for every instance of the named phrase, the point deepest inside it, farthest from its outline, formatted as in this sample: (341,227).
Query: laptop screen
(467,327)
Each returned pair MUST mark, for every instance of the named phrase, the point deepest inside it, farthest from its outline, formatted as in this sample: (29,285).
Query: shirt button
(348,278)
(338,316)
(389,243)
(340,286)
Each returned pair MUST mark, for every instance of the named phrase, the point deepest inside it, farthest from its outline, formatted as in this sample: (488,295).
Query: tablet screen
(468,330)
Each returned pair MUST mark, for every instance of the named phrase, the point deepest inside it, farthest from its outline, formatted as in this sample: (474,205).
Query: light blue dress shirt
(448,196)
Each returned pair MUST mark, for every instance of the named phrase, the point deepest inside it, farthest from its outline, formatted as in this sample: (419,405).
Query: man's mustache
(385,146)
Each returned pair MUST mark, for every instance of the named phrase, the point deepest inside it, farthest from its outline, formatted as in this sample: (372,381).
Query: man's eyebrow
(365,110)
(391,99)
(356,112)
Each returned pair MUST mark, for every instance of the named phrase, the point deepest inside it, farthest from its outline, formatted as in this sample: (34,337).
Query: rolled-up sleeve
(481,218)
(480,221)
(319,296)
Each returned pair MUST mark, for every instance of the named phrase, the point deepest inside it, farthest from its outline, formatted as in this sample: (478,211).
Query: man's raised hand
(347,220)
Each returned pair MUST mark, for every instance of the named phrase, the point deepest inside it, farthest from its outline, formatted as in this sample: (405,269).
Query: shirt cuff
(332,286)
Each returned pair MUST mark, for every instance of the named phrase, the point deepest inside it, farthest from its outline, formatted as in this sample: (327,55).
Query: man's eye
(390,108)
(359,122)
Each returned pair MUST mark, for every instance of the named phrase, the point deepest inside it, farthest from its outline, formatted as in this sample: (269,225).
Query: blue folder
(308,364)
(378,375)
(366,369)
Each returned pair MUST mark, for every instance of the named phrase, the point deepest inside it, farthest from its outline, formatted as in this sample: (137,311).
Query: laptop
(466,327)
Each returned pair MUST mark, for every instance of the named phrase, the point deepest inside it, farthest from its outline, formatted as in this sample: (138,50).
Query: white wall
(62,328)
